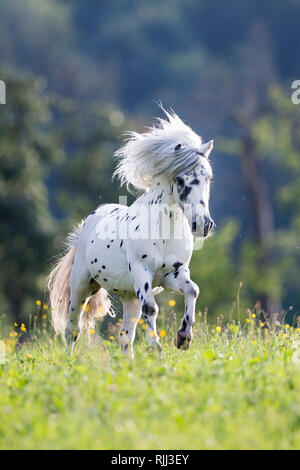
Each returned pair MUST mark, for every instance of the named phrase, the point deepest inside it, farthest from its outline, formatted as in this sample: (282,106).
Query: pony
(137,251)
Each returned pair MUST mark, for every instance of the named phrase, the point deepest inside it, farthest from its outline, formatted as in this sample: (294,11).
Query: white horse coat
(137,251)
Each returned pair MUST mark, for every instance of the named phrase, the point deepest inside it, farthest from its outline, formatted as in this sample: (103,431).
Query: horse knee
(196,291)
(149,309)
(192,289)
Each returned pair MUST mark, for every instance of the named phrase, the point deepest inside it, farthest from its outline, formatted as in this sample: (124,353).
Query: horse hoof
(182,342)
(154,348)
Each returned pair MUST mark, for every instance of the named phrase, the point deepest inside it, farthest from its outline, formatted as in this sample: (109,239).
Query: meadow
(237,387)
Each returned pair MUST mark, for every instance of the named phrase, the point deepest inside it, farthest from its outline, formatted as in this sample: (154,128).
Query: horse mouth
(208,228)
(205,231)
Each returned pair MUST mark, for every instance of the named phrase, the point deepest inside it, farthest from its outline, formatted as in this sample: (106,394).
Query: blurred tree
(262,213)
(268,147)
(124,54)
(84,177)
(28,146)
(38,36)
(255,74)
(278,141)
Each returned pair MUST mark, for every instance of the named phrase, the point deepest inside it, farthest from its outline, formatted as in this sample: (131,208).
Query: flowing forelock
(152,153)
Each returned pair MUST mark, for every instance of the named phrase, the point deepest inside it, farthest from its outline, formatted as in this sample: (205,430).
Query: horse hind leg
(89,314)
(131,315)
(79,296)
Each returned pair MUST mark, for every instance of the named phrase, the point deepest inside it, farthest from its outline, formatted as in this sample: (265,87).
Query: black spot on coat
(185,193)
(180,181)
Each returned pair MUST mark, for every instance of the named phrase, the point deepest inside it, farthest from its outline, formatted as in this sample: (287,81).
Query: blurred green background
(79,73)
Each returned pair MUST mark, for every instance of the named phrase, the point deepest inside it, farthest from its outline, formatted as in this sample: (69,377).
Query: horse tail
(59,290)
(97,307)
(58,283)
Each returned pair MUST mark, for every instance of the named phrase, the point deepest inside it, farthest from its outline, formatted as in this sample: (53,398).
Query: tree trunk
(262,213)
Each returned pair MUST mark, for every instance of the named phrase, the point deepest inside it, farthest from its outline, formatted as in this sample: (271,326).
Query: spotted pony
(137,251)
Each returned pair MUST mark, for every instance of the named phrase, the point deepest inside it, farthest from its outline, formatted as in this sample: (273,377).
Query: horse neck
(160,200)
(161,192)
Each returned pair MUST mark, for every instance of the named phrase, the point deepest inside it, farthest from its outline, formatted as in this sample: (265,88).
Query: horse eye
(178,146)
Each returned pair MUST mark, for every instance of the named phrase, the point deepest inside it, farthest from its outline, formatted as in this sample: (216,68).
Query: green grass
(234,389)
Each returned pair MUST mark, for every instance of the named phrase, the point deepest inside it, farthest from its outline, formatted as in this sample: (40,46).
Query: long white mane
(170,147)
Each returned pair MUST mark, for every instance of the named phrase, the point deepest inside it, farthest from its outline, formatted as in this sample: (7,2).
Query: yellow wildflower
(15,333)
(261,324)
(144,326)
(23,328)
(284,335)
(172,303)
(122,332)
(92,331)
(15,324)
(253,315)
(141,321)
(45,307)
(11,334)
(44,316)
(248,320)
(254,342)
(152,334)
(38,302)
(29,356)
(218,329)
(162,333)
(111,338)
(165,345)
(287,326)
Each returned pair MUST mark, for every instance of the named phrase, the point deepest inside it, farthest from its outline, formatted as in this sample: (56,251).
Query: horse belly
(107,264)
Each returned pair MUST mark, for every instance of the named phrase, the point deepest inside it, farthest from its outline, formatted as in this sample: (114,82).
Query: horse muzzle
(208,225)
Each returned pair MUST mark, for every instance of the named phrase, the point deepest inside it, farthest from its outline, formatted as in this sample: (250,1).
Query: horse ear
(178,147)
(207,148)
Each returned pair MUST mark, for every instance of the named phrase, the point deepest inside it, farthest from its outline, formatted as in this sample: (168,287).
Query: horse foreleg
(181,283)
(131,315)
